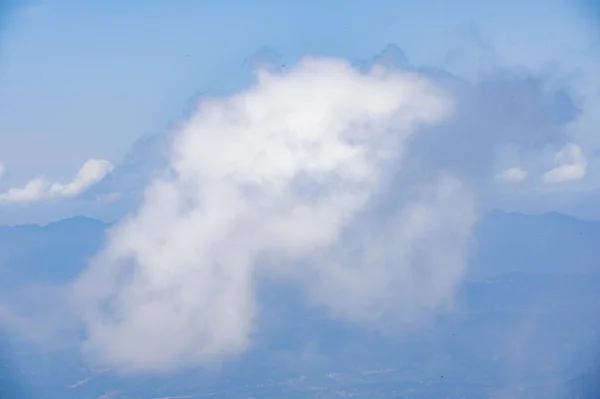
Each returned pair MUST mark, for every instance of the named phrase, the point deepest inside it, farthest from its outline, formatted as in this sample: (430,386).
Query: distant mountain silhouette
(525,324)
(52,253)
(549,243)
(507,243)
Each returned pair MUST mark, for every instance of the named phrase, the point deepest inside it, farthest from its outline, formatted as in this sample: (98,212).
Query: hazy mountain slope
(52,253)
(551,243)
(525,324)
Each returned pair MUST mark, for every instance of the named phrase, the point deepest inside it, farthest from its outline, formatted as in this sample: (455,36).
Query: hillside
(525,324)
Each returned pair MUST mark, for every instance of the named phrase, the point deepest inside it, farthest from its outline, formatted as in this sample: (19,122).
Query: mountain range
(525,325)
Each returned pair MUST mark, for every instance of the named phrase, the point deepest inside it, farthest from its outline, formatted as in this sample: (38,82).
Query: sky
(83,81)
(223,131)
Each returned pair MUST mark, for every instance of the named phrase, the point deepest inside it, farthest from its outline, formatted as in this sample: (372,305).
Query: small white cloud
(90,173)
(512,175)
(40,189)
(2,169)
(34,190)
(571,165)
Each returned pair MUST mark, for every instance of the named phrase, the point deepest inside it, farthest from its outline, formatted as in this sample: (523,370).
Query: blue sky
(85,80)
(591,8)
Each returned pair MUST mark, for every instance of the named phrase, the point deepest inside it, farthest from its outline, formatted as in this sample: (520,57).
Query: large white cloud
(359,184)
(279,179)
(526,110)
(38,189)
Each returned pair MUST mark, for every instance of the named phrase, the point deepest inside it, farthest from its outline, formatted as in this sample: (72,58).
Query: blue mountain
(53,253)
(525,325)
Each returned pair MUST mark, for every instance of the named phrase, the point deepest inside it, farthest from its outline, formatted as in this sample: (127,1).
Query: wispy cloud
(79,383)
(39,189)
(512,175)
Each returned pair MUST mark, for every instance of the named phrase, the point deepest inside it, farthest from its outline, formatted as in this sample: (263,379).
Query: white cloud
(338,179)
(395,271)
(264,181)
(90,173)
(571,165)
(526,113)
(2,169)
(512,175)
(40,189)
(34,190)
